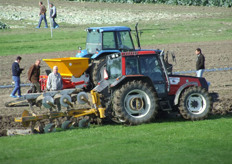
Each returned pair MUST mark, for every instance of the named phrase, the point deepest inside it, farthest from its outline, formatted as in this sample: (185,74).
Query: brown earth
(217,55)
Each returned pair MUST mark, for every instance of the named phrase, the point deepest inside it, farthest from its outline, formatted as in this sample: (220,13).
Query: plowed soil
(217,53)
(220,82)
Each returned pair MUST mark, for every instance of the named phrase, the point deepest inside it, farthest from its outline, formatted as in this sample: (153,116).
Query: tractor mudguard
(101,86)
(179,91)
(83,53)
(119,81)
(96,55)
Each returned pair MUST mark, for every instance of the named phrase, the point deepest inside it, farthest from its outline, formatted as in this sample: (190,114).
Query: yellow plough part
(70,66)
(97,110)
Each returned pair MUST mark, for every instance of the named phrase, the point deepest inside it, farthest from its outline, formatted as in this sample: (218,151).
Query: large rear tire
(97,70)
(195,103)
(135,103)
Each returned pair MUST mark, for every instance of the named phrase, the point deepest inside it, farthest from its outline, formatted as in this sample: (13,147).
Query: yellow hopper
(69,66)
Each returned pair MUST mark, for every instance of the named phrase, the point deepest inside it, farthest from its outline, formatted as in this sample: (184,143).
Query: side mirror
(173,57)
(105,74)
(79,50)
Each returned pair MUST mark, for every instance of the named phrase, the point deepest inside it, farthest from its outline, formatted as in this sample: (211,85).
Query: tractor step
(165,105)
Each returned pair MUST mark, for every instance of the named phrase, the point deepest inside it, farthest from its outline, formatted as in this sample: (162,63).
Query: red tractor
(137,86)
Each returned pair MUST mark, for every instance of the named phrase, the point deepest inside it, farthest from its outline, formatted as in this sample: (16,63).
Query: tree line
(219,3)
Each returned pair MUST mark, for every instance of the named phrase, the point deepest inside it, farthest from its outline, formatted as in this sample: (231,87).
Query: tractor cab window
(124,41)
(109,41)
(150,66)
(132,66)
(114,67)
(93,41)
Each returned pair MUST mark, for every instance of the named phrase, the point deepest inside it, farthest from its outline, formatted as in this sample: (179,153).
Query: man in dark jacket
(200,64)
(33,76)
(16,71)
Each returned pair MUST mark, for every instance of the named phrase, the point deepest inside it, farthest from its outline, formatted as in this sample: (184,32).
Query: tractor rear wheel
(135,103)
(195,103)
(97,70)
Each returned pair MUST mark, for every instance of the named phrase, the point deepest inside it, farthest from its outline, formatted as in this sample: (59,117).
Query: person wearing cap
(200,64)
(16,71)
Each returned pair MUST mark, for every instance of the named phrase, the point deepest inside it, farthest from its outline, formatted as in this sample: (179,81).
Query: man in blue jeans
(16,71)
(42,15)
(53,15)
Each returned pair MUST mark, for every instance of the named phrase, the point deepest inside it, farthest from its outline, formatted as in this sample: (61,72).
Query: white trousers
(200,72)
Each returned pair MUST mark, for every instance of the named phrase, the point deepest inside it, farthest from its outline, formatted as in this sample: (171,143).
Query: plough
(54,100)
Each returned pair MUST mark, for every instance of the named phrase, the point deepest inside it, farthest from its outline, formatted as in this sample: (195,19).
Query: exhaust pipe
(137,35)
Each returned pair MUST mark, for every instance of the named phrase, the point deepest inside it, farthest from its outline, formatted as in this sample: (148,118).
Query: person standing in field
(200,64)
(33,76)
(16,71)
(42,15)
(53,15)
(54,81)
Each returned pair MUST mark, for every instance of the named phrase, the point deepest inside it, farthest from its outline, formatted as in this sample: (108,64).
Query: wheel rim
(196,103)
(137,103)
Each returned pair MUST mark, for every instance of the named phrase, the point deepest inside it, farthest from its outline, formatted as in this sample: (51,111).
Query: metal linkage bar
(12,86)
(206,70)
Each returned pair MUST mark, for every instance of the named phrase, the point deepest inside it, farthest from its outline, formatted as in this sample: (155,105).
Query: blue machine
(102,41)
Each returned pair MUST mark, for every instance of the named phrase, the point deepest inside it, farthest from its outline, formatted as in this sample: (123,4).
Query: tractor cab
(102,40)
(135,65)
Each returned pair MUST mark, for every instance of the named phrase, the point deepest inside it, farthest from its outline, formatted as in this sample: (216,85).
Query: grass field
(30,40)
(27,41)
(173,141)
(165,141)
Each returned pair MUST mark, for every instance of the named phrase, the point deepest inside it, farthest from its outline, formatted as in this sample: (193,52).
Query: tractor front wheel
(135,103)
(195,103)
(97,70)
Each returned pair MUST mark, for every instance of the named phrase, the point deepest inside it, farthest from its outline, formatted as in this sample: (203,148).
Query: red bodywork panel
(177,81)
(67,83)
(135,53)
(123,66)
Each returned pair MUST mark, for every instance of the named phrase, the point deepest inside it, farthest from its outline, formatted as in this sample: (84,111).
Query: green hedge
(225,3)
(3,25)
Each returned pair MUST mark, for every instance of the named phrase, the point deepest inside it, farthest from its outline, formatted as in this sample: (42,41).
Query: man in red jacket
(33,76)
